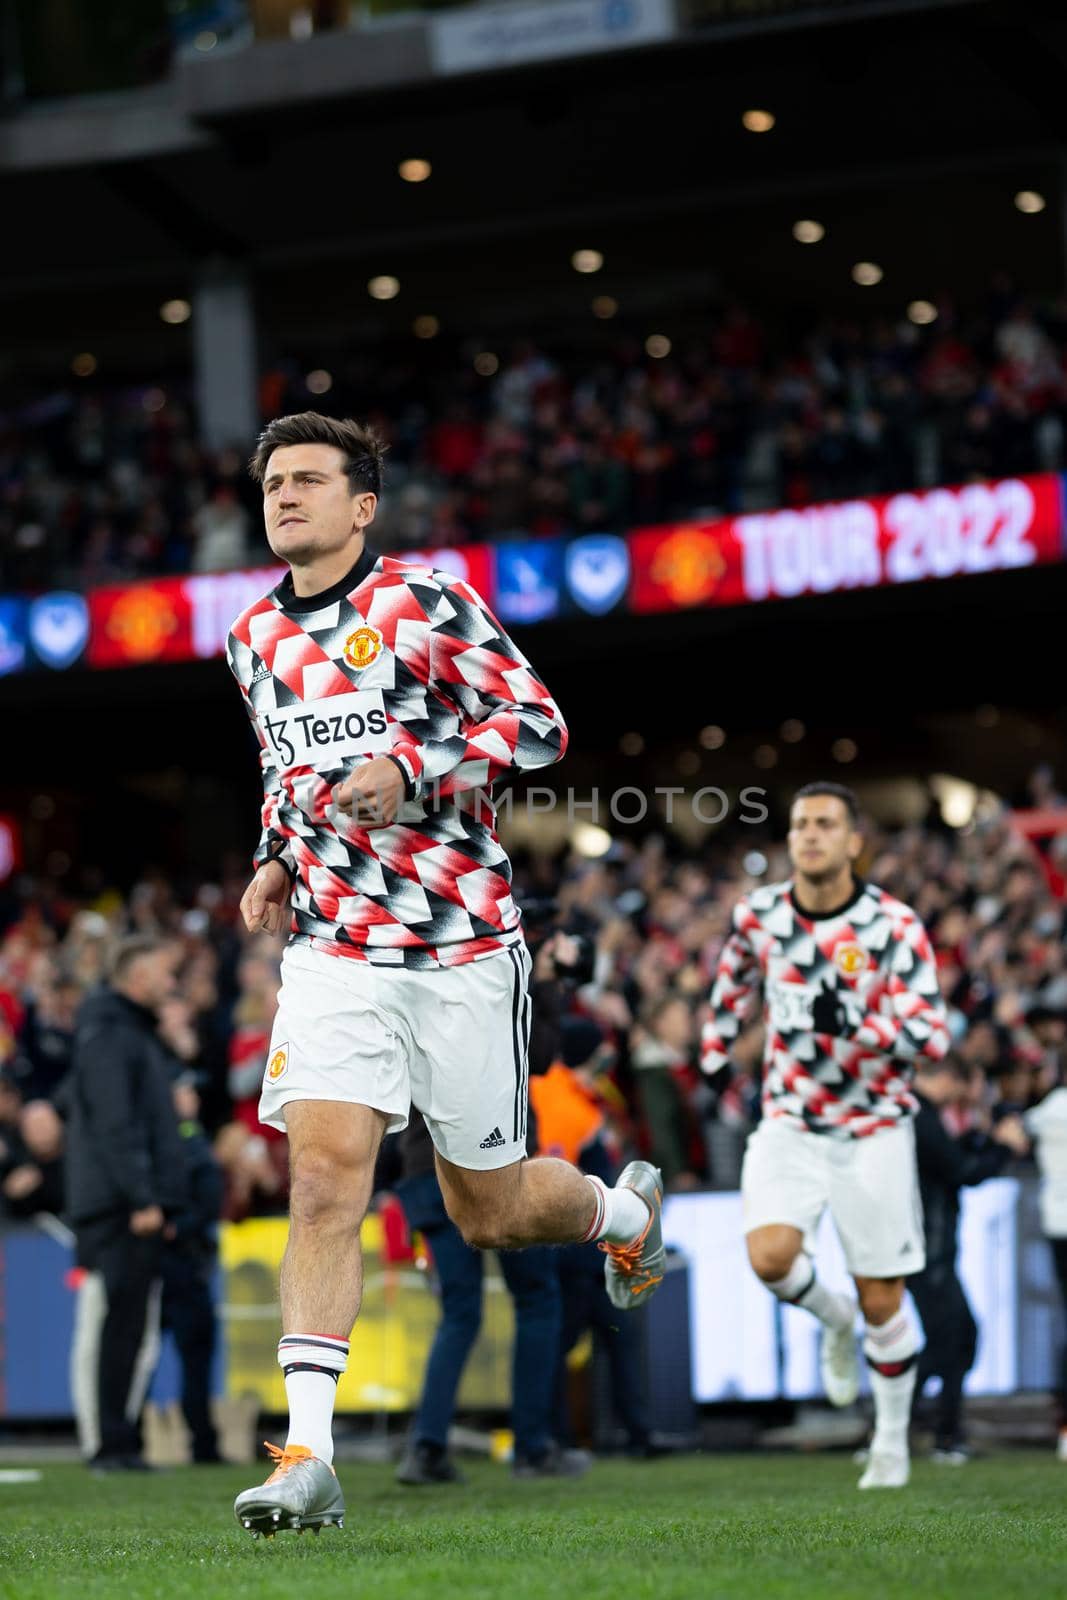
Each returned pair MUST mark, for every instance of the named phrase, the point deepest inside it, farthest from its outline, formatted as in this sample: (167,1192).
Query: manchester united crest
(850,959)
(363,647)
(278,1063)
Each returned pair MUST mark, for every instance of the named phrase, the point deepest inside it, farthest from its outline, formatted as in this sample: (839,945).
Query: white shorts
(871,1186)
(452,1041)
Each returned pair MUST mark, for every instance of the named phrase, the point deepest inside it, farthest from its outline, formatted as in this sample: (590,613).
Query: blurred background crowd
(102,484)
(645,923)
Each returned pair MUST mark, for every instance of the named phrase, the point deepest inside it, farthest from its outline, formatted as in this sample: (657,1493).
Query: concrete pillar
(224,352)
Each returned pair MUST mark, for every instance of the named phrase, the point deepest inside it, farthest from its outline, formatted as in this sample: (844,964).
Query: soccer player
(850,1000)
(387,700)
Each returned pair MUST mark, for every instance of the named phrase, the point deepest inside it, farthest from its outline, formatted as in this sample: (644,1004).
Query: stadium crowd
(100,485)
(648,922)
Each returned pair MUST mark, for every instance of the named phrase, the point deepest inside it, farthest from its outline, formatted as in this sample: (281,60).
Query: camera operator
(946,1165)
(125,1179)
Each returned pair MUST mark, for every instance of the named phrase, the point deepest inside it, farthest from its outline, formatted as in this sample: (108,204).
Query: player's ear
(363,510)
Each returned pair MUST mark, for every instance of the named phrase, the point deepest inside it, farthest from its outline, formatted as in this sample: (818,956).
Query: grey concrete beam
(129,126)
(280,72)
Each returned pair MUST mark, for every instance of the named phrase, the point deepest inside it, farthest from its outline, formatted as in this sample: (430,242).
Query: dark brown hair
(836,791)
(361,447)
(132,948)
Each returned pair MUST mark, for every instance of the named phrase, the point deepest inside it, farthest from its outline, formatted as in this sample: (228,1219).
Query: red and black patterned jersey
(849,1001)
(402,661)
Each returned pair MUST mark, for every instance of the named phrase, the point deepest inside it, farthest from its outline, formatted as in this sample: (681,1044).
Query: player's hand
(828,1014)
(147,1221)
(372,795)
(263,902)
(1010,1131)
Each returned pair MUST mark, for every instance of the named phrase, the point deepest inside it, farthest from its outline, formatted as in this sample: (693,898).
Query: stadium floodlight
(758,121)
(414,170)
(867,274)
(1030,202)
(384,287)
(587,261)
(808,231)
(591,841)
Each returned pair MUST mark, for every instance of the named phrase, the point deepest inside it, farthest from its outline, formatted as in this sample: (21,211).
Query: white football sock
(800,1287)
(891,1350)
(621,1215)
(312,1363)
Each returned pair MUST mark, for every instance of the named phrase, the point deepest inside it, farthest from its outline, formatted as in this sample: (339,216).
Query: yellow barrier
(392,1338)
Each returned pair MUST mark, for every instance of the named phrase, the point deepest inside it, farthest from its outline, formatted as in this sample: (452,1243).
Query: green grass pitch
(714,1526)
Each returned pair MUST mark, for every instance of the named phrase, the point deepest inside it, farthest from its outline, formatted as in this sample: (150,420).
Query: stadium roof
(907,136)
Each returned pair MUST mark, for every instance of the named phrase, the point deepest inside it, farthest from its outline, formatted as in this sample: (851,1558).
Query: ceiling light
(758,121)
(792,730)
(414,170)
(867,273)
(426,327)
(320,381)
(205,41)
(175,311)
(84,365)
(1030,202)
(631,744)
(712,737)
(587,261)
(153,400)
(486,363)
(808,231)
(844,750)
(605,307)
(384,287)
(658,345)
(922,312)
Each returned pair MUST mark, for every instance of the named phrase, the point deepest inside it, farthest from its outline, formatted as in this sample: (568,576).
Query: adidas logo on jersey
(261,674)
(494,1141)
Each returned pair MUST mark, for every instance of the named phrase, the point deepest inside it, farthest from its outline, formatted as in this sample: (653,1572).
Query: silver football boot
(633,1272)
(302,1492)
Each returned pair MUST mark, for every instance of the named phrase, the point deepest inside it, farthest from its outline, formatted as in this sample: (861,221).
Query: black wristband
(280,859)
(409,787)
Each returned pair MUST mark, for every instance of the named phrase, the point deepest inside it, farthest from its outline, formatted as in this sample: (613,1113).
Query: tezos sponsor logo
(324,733)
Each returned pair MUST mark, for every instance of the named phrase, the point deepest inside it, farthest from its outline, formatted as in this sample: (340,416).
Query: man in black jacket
(946,1165)
(125,1178)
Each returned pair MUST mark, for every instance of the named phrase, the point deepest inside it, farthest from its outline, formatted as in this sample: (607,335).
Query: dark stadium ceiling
(906,136)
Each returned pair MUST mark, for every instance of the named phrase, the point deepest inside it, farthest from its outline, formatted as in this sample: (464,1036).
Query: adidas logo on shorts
(494,1141)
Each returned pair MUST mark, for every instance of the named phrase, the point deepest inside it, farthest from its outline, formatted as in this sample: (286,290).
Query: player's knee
(319,1192)
(879,1300)
(770,1259)
(482,1230)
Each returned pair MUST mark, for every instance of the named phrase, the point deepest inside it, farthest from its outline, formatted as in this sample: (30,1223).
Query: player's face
(308,507)
(822,840)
